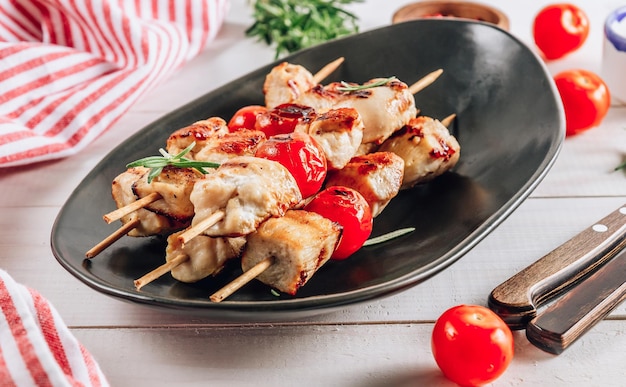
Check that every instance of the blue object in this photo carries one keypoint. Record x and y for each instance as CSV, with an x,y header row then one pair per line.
x,y
618,41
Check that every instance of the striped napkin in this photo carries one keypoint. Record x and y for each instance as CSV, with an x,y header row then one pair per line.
x,y
36,347
70,68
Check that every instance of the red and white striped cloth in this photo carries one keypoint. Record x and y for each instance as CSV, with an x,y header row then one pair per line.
x,y
70,68
36,347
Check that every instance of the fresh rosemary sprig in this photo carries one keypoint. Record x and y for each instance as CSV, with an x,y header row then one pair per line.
x,y
389,236
348,88
157,163
292,25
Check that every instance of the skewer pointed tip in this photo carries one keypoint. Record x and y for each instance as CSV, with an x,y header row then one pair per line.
x,y
160,271
425,81
327,70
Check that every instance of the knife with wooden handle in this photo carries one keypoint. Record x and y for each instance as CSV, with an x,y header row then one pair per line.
x,y
516,300
563,322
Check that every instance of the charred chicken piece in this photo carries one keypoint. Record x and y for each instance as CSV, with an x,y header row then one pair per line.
x,y
222,147
299,243
339,133
206,255
383,109
199,132
151,222
286,83
427,147
248,190
376,176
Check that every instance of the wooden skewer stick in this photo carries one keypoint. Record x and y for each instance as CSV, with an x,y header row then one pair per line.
x,y
132,207
327,70
108,241
424,82
198,228
243,279
161,270
448,120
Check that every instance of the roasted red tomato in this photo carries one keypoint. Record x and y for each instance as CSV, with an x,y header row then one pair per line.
x,y
586,99
560,29
284,118
245,118
472,345
348,208
300,154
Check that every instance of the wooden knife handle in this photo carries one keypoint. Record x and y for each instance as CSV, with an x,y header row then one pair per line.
x,y
516,300
563,322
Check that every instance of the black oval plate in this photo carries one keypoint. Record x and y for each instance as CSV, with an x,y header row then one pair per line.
x,y
509,123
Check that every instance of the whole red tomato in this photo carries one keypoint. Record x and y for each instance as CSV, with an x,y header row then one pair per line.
x,y
301,155
245,118
472,345
559,29
348,208
284,118
586,99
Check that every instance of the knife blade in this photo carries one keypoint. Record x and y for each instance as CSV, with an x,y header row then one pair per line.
x,y
516,300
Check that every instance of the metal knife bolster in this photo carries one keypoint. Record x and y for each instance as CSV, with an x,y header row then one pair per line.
x,y
516,300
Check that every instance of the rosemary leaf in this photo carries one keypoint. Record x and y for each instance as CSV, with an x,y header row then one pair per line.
x,y
349,87
388,236
157,163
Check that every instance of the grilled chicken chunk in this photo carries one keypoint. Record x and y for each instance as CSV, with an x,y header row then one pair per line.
x,y
248,190
339,133
427,147
377,176
151,223
383,109
206,256
285,83
299,243
200,132
222,147
174,185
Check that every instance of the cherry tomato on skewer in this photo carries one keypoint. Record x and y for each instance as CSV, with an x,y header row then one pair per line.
x,y
348,208
245,118
301,155
284,118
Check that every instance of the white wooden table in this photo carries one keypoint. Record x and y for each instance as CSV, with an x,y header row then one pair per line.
x,y
386,342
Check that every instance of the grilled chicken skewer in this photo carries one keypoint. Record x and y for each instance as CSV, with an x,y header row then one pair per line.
x,y
231,202
285,252
384,109
168,194
168,208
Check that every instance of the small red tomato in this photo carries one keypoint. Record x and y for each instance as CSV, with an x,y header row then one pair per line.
x,y
301,155
472,345
560,29
245,118
284,118
586,99
348,208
